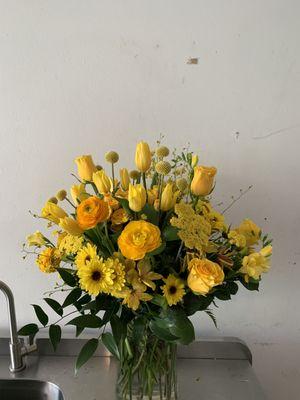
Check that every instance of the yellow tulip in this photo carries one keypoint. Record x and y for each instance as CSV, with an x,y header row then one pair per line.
x,y
168,198
203,181
124,175
71,226
78,193
86,167
136,197
102,182
53,212
143,157
195,160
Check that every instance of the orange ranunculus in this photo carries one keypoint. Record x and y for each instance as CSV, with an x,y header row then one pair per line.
x,y
139,238
92,211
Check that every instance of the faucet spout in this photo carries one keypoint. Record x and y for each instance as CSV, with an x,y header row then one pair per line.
x,y
16,352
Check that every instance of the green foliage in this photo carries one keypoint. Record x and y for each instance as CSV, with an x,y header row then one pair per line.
x,y
28,330
86,353
54,305
87,321
251,285
170,233
72,297
151,213
54,335
110,343
67,277
162,330
194,303
179,324
41,315
212,317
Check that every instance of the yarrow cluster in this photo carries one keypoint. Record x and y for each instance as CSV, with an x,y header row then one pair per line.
x,y
144,245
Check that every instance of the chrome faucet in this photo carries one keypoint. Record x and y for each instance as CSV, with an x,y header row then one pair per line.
x,y
16,348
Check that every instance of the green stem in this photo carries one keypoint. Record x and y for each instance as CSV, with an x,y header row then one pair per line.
x,y
145,185
113,176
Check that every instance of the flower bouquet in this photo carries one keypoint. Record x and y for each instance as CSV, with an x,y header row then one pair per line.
x,y
141,253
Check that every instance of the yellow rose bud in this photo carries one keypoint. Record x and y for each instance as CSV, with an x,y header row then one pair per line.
x,y
86,167
124,175
136,197
143,157
168,198
53,200
250,230
204,275
102,182
203,181
78,193
195,160
53,212
71,226
112,157
61,195
36,239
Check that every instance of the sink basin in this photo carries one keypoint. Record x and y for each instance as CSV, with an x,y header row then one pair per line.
x,y
27,389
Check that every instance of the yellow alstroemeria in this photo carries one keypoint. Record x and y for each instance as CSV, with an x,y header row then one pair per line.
x,y
53,212
36,239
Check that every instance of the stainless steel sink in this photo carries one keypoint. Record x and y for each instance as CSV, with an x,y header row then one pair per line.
x,y
27,389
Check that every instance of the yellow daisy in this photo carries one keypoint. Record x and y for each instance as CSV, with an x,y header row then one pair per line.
x,y
96,276
49,259
173,290
86,254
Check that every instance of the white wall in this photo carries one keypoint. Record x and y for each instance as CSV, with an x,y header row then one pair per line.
x,y
89,76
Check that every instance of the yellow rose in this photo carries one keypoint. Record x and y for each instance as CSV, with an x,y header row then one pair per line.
x,y
91,212
203,181
143,157
102,182
35,239
139,238
204,275
86,167
71,226
168,197
53,212
124,175
78,193
136,197
250,230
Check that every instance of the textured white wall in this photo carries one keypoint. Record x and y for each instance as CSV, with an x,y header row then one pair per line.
x,y
89,76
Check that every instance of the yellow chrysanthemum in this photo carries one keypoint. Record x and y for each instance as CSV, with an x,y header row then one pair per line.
x,y
96,276
49,259
256,263
70,244
118,272
86,254
173,290
194,229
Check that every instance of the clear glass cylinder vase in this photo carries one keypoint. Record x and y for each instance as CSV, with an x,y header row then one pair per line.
x,y
147,369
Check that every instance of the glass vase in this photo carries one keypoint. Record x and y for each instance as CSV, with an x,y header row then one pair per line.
x,y
147,369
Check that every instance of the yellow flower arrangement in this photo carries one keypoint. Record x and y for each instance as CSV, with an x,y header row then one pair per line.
x,y
148,249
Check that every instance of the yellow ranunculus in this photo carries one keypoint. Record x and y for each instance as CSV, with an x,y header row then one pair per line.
x,y
168,198
143,157
119,217
71,226
204,275
139,238
91,212
136,197
86,167
203,180
124,175
36,239
102,182
53,212
250,230
78,193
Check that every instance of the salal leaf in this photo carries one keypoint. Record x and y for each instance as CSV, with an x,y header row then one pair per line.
x,y
161,329
179,324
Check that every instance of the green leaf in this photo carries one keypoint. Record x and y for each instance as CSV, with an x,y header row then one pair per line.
x,y
159,300
72,297
87,321
118,328
161,329
112,310
233,287
151,213
54,305
138,329
67,277
79,330
41,315
157,251
86,353
110,343
83,300
251,285
213,318
194,303
29,329
170,233
222,294
179,324
55,335
125,204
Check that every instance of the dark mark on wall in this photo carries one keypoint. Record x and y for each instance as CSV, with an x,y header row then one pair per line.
x,y
192,61
282,130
